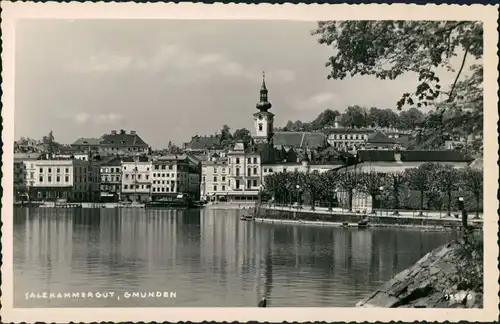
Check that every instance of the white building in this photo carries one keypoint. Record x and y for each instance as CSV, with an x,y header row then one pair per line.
x,y
24,168
215,179
175,174
62,178
136,178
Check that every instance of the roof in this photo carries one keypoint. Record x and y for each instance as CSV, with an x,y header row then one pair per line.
x,y
26,156
133,159
299,139
203,142
379,137
87,141
412,156
345,130
123,139
111,161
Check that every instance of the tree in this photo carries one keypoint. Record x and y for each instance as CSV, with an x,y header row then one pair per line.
x,y
354,116
397,181
389,49
448,179
225,133
312,183
372,183
419,179
410,119
325,119
473,180
49,143
329,181
242,135
348,182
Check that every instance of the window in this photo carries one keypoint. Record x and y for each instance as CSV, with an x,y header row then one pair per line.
x,y
50,170
237,160
249,184
255,160
223,170
249,171
223,188
249,160
147,177
163,167
260,127
126,176
138,177
125,186
163,175
154,189
215,170
284,169
66,170
237,184
66,178
215,179
58,170
49,179
170,167
255,183
41,170
58,179
270,170
32,175
254,170
157,167
41,179
215,188
223,178
237,172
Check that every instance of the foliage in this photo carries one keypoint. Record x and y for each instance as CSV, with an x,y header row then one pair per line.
x,y
448,181
473,180
420,180
470,274
312,183
388,49
397,182
372,182
349,181
329,183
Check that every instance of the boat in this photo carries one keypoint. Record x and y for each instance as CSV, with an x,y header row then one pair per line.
x,y
247,217
363,223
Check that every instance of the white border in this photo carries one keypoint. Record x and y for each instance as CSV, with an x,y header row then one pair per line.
x,y
488,14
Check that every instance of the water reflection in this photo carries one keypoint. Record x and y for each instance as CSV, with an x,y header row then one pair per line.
x,y
209,258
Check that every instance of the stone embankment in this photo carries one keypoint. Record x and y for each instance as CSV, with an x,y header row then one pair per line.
x,y
426,285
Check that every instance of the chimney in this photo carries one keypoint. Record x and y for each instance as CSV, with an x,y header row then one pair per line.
x,y
113,132
132,132
122,131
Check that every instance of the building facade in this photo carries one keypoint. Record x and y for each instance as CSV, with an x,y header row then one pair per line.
x,y
175,175
215,179
136,178
64,179
244,165
111,179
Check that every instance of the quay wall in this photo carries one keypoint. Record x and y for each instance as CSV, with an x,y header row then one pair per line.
x,y
277,215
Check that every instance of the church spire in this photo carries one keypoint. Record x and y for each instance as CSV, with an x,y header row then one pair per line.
x,y
264,104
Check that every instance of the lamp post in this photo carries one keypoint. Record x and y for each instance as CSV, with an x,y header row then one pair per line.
x,y
298,193
381,190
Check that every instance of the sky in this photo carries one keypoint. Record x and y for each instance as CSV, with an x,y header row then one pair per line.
x,y
172,79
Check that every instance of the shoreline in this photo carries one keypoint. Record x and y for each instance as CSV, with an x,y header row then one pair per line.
x,y
352,225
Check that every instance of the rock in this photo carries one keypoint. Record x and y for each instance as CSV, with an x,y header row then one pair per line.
x,y
381,299
402,275
434,270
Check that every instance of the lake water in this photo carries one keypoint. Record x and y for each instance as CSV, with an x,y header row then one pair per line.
x,y
201,258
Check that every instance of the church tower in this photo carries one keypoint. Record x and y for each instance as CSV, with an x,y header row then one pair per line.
x,y
263,119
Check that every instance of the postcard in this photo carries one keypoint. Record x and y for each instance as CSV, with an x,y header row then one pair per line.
x,y
232,162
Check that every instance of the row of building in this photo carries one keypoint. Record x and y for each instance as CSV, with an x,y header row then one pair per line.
x,y
121,166
114,178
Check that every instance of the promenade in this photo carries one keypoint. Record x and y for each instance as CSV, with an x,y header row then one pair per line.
x,y
339,216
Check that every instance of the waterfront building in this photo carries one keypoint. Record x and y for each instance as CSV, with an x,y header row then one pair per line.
x,y
136,178
111,179
24,174
351,139
175,175
215,179
244,165
121,143
56,178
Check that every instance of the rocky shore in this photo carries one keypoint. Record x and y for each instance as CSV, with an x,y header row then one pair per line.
x,y
430,283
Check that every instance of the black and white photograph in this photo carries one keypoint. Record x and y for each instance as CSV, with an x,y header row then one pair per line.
x,y
231,161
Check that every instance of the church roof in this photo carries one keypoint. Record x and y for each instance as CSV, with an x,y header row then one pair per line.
x,y
299,139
